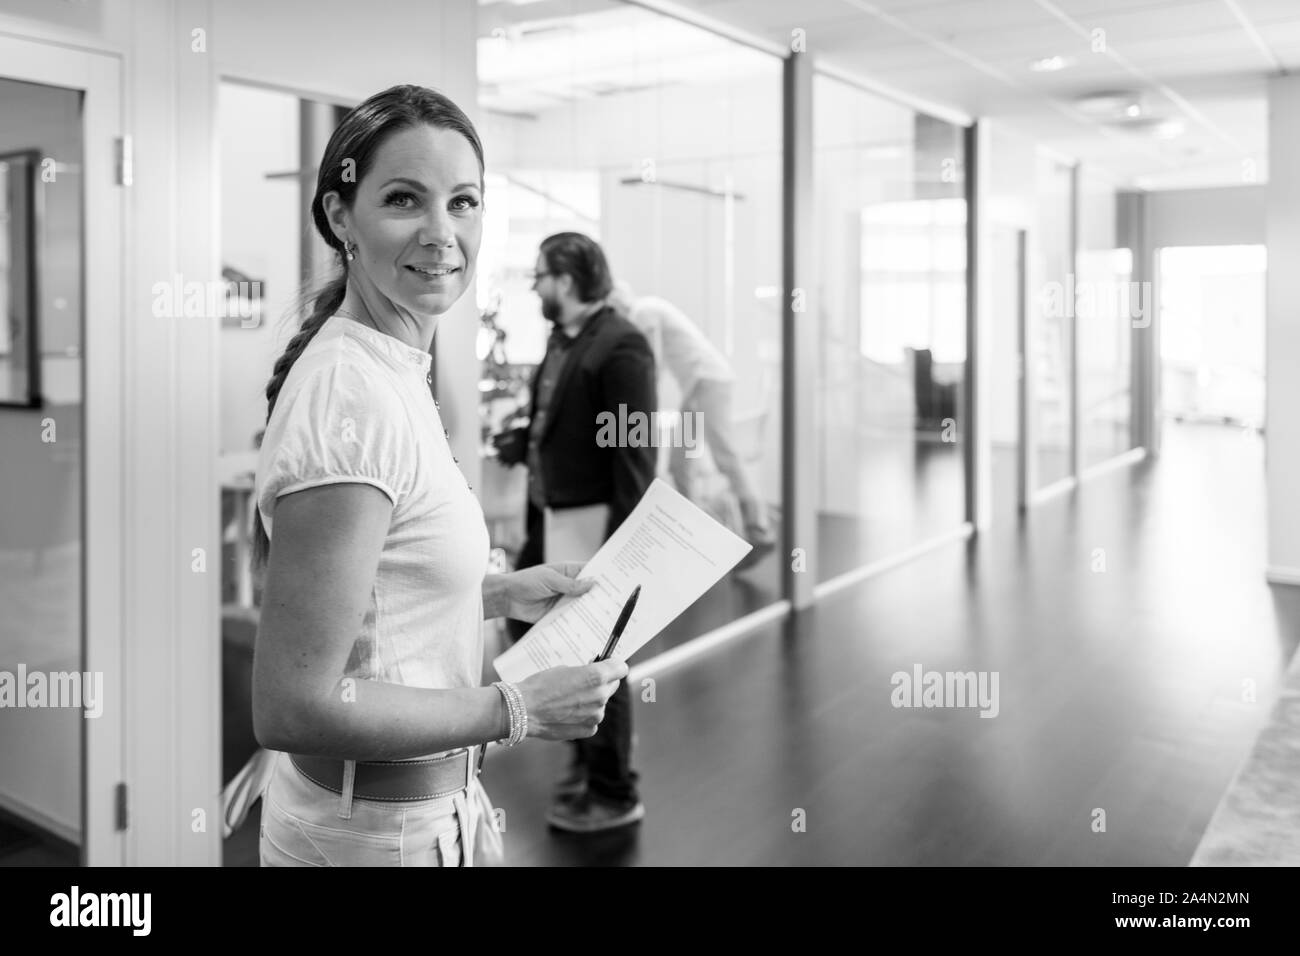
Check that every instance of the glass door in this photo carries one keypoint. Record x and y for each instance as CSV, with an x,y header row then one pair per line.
x,y
60,440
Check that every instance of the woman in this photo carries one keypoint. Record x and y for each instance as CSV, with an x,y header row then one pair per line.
x,y
369,648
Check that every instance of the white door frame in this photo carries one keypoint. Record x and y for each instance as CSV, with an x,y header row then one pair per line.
x,y
99,77
1018,233
1024,460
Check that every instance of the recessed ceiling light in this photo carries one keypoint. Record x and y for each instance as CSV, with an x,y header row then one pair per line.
x,y
1169,129
1050,64
1110,104
1159,127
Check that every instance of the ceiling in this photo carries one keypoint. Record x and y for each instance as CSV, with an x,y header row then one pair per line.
x,y
1193,73
539,55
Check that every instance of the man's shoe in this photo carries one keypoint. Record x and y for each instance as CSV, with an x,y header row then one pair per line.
x,y
588,814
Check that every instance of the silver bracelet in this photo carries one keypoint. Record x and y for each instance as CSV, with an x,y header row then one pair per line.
x,y
517,711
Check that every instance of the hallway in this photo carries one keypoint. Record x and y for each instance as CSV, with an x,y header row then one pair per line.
x,y
1120,689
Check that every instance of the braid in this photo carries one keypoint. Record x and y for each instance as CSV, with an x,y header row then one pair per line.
x,y
325,305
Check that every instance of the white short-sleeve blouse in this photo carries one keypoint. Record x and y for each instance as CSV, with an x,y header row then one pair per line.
x,y
356,407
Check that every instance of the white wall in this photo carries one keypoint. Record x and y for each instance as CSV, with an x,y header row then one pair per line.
x,y
1003,421
1020,196
1104,335
1013,176
1232,215
1012,204
260,222
1096,210
1282,330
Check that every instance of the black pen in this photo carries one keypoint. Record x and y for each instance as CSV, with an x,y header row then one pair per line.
x,y
619,625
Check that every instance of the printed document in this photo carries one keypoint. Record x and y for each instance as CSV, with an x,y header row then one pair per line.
x,y
669,547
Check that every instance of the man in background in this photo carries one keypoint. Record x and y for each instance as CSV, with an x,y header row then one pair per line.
x,y
705,379
596,361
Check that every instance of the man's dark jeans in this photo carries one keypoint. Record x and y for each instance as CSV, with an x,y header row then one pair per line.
x,y
608,754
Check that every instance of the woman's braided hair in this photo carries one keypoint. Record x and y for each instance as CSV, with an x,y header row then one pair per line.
x,y
348,157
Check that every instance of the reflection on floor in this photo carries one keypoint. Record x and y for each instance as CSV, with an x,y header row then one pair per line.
x,y
1102,440
22,844
1120,652
886,496
737,594
40,749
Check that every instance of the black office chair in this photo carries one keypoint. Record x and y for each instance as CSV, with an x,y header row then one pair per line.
x,y
935,401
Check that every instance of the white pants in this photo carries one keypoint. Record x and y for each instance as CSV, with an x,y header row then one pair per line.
x,y
304,824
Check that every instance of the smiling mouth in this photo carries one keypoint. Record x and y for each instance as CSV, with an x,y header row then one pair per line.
x,y
434,271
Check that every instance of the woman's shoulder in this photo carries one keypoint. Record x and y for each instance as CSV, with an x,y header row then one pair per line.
x,y
328,395
338,367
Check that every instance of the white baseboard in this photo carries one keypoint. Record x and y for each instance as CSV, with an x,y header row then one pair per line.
x,y
1122,460
862,573
1276,575
706,642
1054,490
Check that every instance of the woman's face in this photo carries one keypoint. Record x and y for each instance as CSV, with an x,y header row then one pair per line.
x,y
416,221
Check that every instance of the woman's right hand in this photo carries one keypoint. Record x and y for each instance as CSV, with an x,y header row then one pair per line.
x,y
566,703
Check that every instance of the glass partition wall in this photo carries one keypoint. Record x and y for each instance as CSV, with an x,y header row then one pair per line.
x,y
1107,306
891,227
663,142
42,579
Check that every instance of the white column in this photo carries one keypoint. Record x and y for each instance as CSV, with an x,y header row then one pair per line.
x,y
172,665
978,395
1282,330
454,71
800,334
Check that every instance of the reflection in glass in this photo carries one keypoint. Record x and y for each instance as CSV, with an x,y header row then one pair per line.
x,y
1105,349
662,142
891,221
41,587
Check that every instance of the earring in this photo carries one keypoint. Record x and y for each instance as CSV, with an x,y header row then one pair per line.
x,y
350,250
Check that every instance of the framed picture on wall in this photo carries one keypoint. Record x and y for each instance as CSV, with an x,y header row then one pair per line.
x,y
20,367
244,299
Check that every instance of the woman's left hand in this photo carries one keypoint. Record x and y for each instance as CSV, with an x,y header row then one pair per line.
x,y
530,593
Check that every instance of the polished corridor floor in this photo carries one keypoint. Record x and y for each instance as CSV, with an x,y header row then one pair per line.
x,y
1129,623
